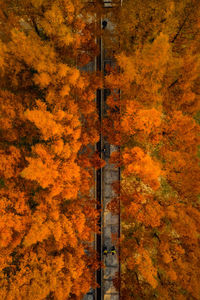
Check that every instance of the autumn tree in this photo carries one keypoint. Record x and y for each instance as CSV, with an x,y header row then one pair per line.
x,y
48,122
153,122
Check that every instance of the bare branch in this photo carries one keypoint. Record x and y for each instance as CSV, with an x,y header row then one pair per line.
x,y
172,84
179,30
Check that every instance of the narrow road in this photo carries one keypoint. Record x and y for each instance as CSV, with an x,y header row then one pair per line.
x,y
109,223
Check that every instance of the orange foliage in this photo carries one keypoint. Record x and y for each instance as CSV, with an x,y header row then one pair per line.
x,y
48,117
140,164
151,119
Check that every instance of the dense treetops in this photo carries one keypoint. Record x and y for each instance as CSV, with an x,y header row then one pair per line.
x,y
155,127
49,127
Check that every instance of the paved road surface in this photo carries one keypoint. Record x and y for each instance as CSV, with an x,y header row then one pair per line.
x,y
110,224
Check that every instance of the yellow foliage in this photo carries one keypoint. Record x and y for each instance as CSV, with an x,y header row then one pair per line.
x,y
43,79
65,90
44,173
33,237
141,164
54,15
146,268
58,147
74,76
10,163
172,275
44,215
44,121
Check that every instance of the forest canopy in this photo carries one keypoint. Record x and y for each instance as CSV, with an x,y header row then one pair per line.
x,y
49,129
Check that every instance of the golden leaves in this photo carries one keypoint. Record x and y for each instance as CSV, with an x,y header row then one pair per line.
x,y
65,90
57,148
47,216
37,3
43,79
10,163
146,268
45,122
54,15
33,237
44,173
141,164
2,56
